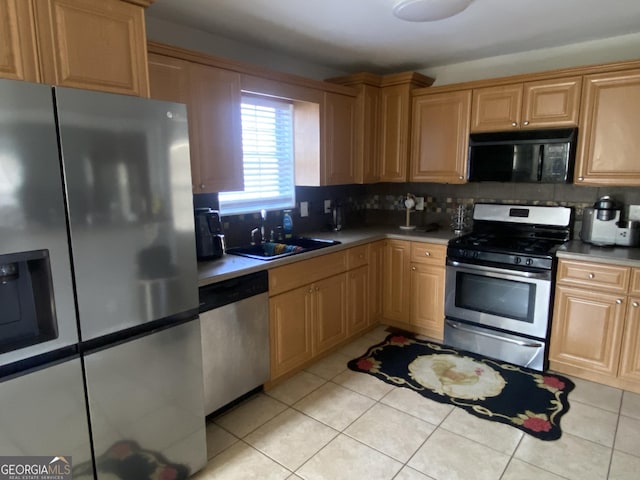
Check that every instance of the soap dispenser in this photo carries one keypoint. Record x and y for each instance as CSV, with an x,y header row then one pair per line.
x,y
287,224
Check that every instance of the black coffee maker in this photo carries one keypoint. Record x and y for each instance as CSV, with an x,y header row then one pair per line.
x,y
209,236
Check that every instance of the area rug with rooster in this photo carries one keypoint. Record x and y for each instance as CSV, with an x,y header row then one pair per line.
x,y
491,389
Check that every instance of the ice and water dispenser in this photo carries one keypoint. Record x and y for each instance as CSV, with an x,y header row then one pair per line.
x,y
27,307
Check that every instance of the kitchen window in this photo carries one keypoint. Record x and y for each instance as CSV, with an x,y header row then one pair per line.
x,y
267,144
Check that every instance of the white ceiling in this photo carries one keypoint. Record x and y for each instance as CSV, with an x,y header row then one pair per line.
x,y
356,35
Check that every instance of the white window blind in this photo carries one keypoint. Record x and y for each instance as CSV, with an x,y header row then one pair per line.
x,y
267,144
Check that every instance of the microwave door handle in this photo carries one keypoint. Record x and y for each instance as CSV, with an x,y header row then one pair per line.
x,y
540,160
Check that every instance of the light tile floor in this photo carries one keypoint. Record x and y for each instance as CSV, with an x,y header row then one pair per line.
x,y
331,423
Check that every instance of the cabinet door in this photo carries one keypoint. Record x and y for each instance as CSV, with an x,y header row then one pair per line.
x,y
496,108
290,320
608,144
368,134
216,129
18,52
440,137
587,330
427,299
168,78
395,104
94,45
396,280
551,103
331,312
339,161
376,270
630,361
358,300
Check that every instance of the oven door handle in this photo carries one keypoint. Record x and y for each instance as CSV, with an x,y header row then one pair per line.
x,y
504,271
494,336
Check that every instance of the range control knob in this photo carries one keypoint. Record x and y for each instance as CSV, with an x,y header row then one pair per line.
x,y
529,261
475,254
517,260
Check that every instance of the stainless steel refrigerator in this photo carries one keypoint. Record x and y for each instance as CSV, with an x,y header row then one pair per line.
x,y
100,352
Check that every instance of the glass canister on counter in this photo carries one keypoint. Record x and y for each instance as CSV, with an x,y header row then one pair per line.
x,y
459,219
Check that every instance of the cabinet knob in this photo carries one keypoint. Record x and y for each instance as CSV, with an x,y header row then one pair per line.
x,y
526,122
310,289
427,254
619,301
580,179
413,268
592,276
461,177
202,186
361,255
635,304
514,124
317,289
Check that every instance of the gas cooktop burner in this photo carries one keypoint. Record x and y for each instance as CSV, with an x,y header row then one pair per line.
x,y
512,235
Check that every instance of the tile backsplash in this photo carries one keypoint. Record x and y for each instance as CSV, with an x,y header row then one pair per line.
x,y
383,204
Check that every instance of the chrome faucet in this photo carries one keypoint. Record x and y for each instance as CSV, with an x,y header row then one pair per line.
x,y
263,217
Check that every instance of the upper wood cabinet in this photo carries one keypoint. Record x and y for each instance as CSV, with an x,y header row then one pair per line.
x,y
93,45
213,100
168,78
395,111
440,137
608,143
339,166
18,50
540,104
382,123
216,131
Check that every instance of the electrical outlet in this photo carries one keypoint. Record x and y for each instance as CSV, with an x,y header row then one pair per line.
x,y
327,206
419,203
304,209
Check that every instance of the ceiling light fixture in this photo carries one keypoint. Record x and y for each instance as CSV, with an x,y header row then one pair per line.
x,y
428,10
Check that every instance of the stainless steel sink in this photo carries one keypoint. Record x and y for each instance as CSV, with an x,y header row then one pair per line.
x,y
280,249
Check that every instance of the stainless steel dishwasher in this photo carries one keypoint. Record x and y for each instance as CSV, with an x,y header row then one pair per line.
x,y
234,317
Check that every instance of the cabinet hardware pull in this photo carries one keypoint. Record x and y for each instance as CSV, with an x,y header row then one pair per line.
x,y
413,268
202,186
361,255
461,177
310,289
580,179
317,289
619,301
526,122
635,304
592,276
514,124
427,254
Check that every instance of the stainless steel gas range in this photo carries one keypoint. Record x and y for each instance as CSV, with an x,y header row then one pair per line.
x,y
498,294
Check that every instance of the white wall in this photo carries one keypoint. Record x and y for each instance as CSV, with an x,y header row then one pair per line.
x,y
626,47
192,39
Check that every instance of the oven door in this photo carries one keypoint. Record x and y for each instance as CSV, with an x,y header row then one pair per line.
x,y
511,300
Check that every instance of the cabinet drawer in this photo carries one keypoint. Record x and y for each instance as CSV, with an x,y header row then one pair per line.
x,y
612,278
304,272
428,253
634,287
358,256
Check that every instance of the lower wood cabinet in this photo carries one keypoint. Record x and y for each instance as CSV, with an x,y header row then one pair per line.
x,y
414,279
318,304
596,323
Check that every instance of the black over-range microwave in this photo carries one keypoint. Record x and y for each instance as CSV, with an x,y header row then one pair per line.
x,y
543,156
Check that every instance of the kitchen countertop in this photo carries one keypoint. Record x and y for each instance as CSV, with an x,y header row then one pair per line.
x,y
231,266
578,250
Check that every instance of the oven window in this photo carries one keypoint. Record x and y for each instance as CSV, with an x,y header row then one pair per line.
x,y
496,296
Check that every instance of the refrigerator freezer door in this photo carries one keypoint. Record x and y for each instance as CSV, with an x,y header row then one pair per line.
x,y
44,413
145,398
32,213
126,164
